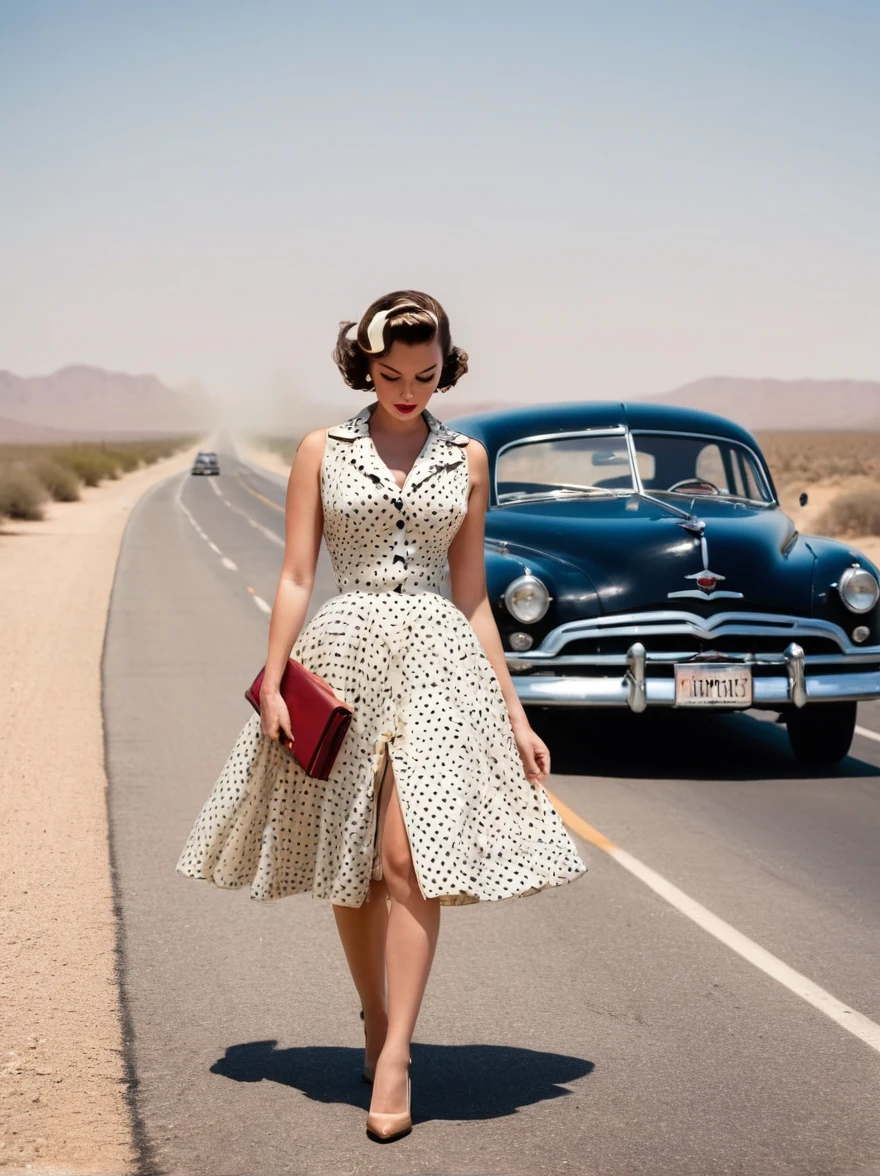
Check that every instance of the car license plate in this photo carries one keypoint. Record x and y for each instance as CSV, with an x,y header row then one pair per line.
x,y
708,684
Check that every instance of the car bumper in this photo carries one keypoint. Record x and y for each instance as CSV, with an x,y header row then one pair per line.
x,y
541,690
780,677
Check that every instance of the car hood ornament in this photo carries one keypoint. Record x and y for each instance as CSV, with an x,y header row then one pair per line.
x,y
707,581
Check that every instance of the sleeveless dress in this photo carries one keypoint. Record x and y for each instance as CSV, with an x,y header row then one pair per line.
x,y
393,644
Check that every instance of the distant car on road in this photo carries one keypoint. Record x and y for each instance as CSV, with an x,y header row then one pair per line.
x,y
637,556
205,463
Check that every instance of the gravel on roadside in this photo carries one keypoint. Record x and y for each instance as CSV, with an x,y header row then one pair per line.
x,y
64,1091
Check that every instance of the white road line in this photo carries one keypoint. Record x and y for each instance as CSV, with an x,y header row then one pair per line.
x,y
227,563
264,530
866,734
261,604
215,488
856,1023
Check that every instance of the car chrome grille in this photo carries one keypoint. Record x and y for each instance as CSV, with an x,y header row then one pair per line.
x,y
600,644
687,645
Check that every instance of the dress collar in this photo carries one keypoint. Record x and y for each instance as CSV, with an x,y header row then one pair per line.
x,y
358,426
443,448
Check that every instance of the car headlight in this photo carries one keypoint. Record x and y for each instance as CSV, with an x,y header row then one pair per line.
x,y
527,599
858,590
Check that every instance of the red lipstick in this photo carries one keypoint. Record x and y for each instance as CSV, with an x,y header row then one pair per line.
x,y
405,407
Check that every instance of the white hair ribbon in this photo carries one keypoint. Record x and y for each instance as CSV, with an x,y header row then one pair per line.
x,y
376,329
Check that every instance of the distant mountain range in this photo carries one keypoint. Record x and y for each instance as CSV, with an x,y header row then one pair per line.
x,y
82,401
783,404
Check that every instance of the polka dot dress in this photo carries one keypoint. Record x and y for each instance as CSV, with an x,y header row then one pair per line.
x,y
393,644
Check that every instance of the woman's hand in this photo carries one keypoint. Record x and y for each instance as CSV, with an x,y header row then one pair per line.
x,y
275,717
534,753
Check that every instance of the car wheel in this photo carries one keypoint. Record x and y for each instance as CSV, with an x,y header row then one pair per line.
x,y
822,734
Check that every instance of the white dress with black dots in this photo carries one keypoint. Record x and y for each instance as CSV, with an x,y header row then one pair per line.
x,y
394,645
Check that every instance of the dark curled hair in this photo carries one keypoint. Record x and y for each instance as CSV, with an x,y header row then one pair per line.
x,y
352,355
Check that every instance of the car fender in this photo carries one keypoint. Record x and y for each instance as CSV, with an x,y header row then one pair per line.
x,y
573,596
831,558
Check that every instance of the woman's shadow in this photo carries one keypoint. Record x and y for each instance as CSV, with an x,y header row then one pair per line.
x,y
455,1081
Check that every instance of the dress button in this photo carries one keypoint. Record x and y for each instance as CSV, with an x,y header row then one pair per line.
x,y
401,524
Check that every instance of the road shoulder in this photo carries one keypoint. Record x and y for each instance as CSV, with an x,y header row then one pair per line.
x,y
63,1099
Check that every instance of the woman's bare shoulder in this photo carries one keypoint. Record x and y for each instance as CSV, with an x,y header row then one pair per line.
x,y
478,457
312,444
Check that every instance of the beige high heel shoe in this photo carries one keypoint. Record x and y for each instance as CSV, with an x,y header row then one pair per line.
x,y
387,1126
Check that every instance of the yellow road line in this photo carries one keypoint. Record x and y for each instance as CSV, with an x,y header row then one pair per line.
x,y
256,494
580,826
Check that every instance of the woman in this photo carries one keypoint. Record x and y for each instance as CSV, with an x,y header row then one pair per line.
x,y
436,796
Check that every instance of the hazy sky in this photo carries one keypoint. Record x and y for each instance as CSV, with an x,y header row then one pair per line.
x,y
609,199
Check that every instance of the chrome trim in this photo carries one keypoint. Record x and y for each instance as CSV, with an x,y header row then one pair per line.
x,y
705,593
635,677
666,622
770,693
517,662
515,583
794,663
633,461
845,577
696,592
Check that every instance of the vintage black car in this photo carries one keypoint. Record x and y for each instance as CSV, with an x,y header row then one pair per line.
x,y
206,462
637,556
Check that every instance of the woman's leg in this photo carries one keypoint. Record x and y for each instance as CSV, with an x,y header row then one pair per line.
x,y
363,931
413,925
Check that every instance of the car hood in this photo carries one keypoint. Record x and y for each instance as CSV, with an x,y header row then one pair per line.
x,y
634,553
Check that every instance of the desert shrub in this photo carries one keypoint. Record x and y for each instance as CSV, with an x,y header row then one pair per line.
x,y
153,451
91,465
22,494
60,480
126,459
820,455
854,512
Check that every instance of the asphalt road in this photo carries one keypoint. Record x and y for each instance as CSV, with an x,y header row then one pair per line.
x,y
595,1030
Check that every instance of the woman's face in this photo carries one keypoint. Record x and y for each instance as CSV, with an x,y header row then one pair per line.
x,y
406,377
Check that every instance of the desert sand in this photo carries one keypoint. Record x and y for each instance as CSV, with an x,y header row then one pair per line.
x,y
819,496
63,1095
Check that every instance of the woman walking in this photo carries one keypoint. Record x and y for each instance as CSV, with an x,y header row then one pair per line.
x,y
436,796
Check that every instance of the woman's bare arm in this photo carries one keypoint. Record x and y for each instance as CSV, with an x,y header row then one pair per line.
x,y
467,572
304,524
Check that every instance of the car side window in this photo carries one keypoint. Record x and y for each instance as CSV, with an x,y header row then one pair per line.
x,y
709,466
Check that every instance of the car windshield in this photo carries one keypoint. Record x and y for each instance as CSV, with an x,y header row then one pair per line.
x,y
585,465
680,465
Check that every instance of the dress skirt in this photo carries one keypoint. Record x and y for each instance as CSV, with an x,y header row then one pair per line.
x,y
423,692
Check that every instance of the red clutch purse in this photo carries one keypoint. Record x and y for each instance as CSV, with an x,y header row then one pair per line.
x,y
319,719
